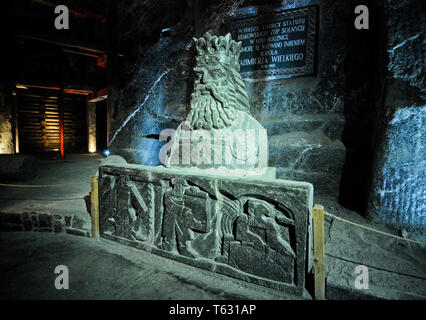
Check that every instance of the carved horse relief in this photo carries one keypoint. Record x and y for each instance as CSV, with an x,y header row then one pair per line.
x,y
257,236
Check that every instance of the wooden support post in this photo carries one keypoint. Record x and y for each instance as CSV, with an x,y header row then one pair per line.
x,y
94,206
15,118
319,266
61,121
91,126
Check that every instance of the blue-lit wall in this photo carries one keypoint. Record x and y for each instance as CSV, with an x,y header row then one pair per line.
x,y
303,116
398,194
360,110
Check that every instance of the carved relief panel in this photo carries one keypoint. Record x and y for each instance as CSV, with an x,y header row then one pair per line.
x,y
256,231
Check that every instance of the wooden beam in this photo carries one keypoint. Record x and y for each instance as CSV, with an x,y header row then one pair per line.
x,y
83,47
319,266
67,89
15,118
99,96
22,63
82,53
78,12
61,121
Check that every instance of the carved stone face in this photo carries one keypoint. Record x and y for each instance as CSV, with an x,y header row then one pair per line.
x,y
210,102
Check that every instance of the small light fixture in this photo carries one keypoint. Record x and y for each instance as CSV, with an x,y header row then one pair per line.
x,y
92,144
165,32
106,153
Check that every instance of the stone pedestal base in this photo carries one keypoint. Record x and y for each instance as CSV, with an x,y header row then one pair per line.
x,y
256,230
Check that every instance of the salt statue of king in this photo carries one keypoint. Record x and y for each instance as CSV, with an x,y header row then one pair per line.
x,y
219,135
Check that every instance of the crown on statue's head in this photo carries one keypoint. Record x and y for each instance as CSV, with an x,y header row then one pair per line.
x,y
214,49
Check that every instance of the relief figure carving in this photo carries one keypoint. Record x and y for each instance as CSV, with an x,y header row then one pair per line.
x,y
263,217
187,210
128,210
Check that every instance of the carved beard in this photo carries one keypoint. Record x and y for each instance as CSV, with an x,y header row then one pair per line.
x,y
209,108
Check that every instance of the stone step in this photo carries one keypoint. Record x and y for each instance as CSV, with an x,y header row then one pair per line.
x,y
310,152
324,184
17,167
331,125
79,223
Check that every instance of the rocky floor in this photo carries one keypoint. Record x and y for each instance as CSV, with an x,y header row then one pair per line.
x,y
101,269
74,172
396,268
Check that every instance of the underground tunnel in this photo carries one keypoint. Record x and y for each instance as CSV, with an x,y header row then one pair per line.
x,y
213,150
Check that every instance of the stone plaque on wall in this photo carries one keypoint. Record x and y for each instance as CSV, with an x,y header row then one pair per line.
x,y
253,230
277,44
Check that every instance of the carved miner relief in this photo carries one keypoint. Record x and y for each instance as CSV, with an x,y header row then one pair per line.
x,y
188,217
131,215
